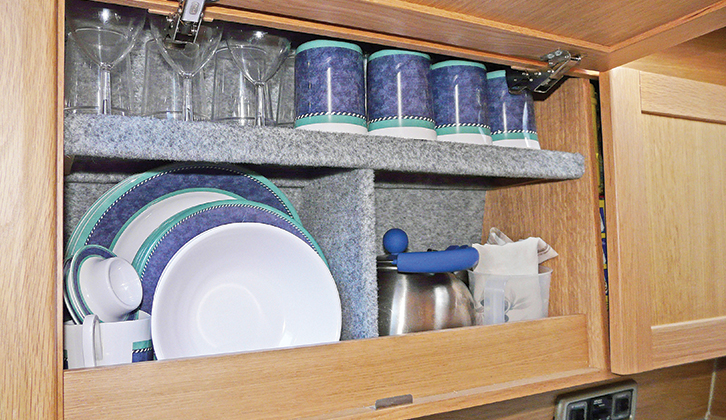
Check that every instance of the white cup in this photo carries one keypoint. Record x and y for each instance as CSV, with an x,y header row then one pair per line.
x,y
96,343
110,287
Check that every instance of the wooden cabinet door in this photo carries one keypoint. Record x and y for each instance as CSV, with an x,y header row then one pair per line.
x,y
665,177
30,373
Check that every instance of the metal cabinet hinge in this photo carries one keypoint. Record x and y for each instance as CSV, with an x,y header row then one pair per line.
x,y
183,26
541,81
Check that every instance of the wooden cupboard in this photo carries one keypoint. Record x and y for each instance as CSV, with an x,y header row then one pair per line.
x,y
444,370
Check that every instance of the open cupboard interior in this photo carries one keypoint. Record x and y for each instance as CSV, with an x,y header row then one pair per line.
x,y
443,370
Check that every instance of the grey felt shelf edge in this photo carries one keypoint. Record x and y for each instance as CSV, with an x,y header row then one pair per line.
x,y
143,138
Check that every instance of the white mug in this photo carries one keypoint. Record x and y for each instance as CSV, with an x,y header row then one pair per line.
x,y
96,343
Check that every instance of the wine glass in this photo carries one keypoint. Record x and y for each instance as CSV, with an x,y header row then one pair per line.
x,y
187,59
259,55
105,34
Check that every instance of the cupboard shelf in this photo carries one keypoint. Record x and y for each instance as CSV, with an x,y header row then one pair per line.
x,y
139,138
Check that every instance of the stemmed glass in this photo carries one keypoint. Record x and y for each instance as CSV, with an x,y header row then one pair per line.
x,y
105,35
187,59
259,55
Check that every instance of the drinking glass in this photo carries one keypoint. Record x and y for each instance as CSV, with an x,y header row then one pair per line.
x,y
258,54
285,79
105,34
186,59
234,95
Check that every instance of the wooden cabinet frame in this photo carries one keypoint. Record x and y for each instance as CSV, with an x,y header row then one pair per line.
x,y
31,173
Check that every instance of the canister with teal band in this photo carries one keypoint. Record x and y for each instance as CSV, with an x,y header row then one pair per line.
x,y
330,87
460,101
399,95
511,116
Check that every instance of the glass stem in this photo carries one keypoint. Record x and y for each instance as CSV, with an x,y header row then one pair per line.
x,y
188,107
260,118
105,90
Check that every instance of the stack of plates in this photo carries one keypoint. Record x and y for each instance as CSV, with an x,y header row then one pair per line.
x,y
223,258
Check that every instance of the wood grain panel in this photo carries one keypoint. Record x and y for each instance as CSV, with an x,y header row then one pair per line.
x,y
468,35
564,214
669,35
30,372
685,196
718,395
678,393
673,343
666,214
683,98
626,215
605,23
700,59
333,378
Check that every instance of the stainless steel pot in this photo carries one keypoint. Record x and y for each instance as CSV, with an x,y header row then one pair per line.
x,y
410,301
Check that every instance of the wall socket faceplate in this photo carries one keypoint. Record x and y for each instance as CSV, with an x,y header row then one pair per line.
x,y
610,402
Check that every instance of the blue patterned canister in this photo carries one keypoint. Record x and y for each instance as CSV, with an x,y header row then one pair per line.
x,y
330,87
511,116
460,101
399,95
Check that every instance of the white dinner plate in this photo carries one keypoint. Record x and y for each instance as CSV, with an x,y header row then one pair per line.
x,y
133,234
242,287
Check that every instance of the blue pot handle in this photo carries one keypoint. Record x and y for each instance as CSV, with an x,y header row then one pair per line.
x,y
454,258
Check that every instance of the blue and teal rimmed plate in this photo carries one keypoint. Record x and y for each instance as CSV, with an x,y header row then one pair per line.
x,y
111,213
174,233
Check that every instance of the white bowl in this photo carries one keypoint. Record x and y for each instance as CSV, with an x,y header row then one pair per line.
x,y
241,287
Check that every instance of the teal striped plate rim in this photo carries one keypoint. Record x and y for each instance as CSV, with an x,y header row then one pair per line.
x,y
384,53
95,214
322,43
230,195
451,63
528,135
328,118
496,74
464,129
152,242
400,122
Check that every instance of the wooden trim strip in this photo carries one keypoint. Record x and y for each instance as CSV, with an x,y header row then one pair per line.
x,y
668,35
687,342
626,216
345,376
682,98
456,35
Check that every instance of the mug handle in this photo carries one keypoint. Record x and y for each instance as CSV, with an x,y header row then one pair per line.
x,y
91,340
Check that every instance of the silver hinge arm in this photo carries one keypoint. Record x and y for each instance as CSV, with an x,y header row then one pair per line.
x,y
559,62
183,26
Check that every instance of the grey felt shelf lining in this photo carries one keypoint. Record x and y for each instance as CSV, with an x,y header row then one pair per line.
x,y
141,138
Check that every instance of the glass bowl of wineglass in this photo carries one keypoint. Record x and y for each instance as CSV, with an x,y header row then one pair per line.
x,y
104,35
258,54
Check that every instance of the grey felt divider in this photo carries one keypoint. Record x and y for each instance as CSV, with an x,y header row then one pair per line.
x,y
339,212
153,139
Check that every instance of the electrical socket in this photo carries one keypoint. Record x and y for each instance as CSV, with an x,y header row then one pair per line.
x,y
610,402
